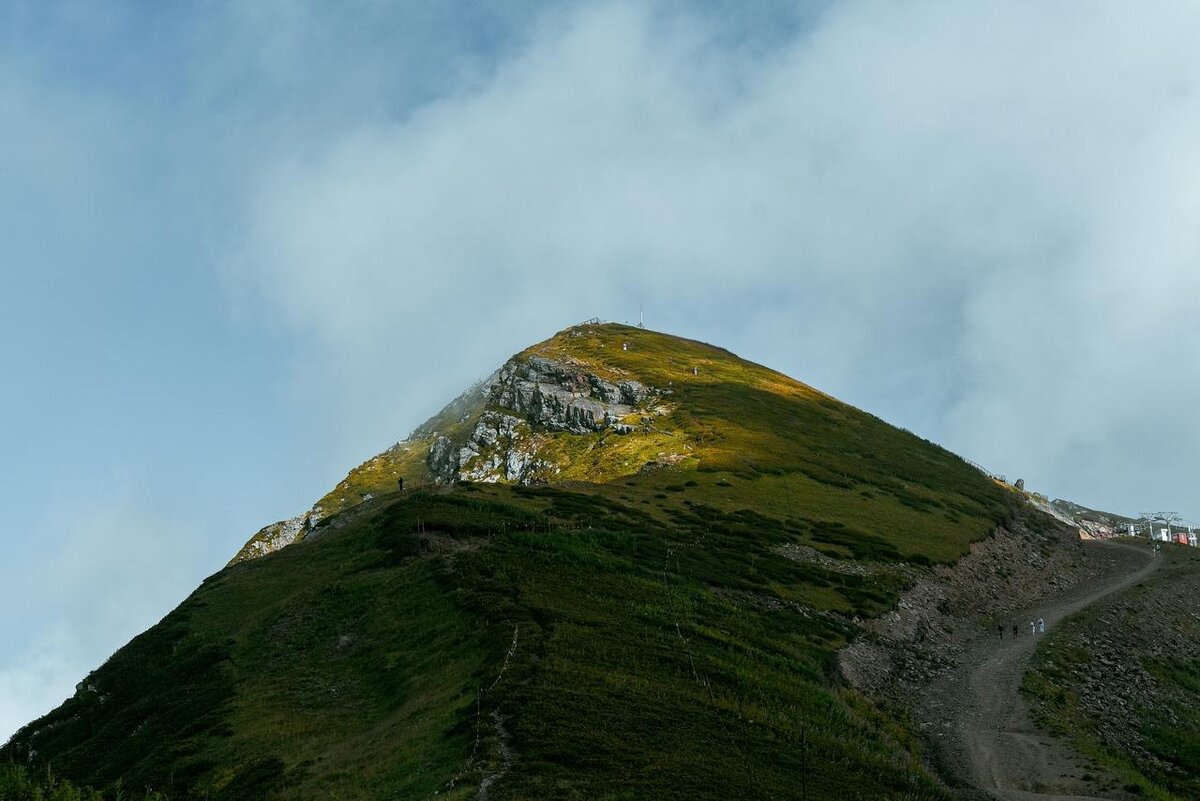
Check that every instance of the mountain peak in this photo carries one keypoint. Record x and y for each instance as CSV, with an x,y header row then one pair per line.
x,y
594,402
601,402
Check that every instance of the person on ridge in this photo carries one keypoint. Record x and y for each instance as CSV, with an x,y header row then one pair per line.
x,y
1014,631
1032,628
1041,625
1000,629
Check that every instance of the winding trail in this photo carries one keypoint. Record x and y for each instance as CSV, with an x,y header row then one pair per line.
x,y
983,738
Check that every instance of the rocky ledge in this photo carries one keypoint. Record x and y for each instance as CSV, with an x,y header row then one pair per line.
x,y
273,537
526,396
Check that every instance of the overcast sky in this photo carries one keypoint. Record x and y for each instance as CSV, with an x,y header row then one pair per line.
x,y
248,245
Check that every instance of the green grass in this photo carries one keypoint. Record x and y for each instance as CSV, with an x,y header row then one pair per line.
x,y
665,655
20,784
636,633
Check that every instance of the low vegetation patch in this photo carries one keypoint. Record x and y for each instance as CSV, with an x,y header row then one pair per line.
x,y
583,647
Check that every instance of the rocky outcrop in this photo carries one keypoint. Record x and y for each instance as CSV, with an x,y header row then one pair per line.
x,y
273,537
1054,509
507,418
442,459
527,396
499,449
563,397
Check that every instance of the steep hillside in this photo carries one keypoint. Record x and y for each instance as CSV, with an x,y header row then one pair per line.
x,y
596,403
622,567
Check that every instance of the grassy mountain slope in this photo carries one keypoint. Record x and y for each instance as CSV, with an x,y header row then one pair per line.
x,y
711,412
643,625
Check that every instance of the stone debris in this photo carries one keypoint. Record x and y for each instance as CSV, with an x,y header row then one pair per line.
x,y
1013,569
1159,623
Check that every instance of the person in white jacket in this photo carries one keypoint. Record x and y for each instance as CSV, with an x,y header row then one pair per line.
x,y
1041,626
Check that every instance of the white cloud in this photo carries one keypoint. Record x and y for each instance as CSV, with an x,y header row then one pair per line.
x,y
964,217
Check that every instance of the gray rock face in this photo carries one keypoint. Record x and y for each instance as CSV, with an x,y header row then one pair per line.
x,y
524,396
560,397
442,460
273,537
514,404
497,450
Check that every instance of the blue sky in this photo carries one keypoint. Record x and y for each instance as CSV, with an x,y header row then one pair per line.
x,y
247,245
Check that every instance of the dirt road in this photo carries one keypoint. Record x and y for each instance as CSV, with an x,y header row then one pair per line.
x,y
978,723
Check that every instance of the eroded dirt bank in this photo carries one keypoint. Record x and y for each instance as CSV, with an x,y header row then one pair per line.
x,y
939,656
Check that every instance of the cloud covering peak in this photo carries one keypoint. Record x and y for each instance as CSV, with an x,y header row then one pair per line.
x,y
978,222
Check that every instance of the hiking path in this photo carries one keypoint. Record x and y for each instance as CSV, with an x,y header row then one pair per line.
x,y
984,742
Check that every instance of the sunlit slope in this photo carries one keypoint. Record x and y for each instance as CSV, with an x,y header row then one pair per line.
x,y
704,412
643,603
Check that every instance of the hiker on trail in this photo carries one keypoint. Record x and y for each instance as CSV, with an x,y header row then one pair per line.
x,y
1032,628
1041,625
400,481
1014,631
1000,629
